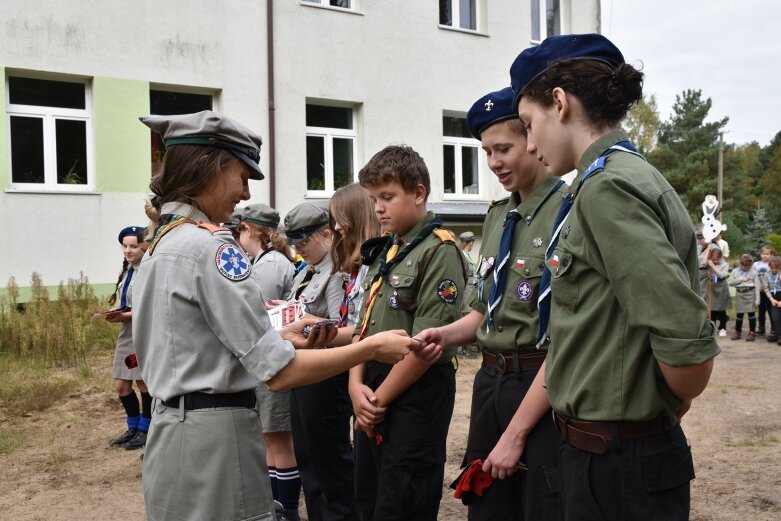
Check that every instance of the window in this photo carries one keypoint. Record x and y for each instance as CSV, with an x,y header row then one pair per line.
x,y
460,14
546,19
50,134
344,4
330,148
169,103
460,158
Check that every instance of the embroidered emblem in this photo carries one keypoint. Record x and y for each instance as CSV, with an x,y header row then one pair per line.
x,y
554,261
520,263
524,291
394,280
537,242
408,263
565,232
489,105
351,307
447,291
393,300
231,263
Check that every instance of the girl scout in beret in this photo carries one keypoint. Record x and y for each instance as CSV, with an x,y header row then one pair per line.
x,y
321,411
272,259
631,343
505,324
202,338
133,247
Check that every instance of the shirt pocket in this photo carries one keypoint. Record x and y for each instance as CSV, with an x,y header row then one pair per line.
x,y
402,293
523,284
564,283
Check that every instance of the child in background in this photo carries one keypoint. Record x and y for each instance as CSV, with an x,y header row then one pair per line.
x,y
761,268
744,278
720,300
771,282
133,248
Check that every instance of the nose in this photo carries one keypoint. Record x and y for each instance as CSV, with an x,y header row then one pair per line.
x,y
494,163
531,146
245,195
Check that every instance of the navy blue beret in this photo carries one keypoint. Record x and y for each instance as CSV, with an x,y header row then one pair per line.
x,y
535,60
135,231
491,108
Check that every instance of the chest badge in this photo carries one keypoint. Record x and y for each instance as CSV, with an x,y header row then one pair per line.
x,y
524,291
393,300
537,242
408,263
394,280
447,291
231,263
520,263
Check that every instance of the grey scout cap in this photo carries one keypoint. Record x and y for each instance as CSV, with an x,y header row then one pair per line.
x,y
305,219
467,237
235,219
210,129
262,215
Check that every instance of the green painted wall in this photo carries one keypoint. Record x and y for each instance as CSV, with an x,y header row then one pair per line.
x,y
4,159
122,143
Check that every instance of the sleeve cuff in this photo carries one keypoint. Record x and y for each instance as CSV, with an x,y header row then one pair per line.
x,y
268,356
685,351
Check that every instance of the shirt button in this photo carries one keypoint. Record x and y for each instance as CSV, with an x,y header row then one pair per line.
x,y
526,271
500,328
379,293
372,322
564,263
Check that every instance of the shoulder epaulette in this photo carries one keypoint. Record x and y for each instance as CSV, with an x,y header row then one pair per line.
x,y
444,235
497,203
211,228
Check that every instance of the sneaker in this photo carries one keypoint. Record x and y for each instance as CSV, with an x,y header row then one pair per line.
x,y
722,332
123,438
750,337
735,336
136,442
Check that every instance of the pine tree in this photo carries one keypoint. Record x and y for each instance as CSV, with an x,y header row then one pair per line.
x,y
757,231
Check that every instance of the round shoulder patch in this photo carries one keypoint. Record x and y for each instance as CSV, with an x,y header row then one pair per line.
x,y
231,262
447,291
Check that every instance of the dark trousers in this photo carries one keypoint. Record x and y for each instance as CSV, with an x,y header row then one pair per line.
x,y
401,478
531,495
764,309
775,316
320,421
721,317
752,322
642,480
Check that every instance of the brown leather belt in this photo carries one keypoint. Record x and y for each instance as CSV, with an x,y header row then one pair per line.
x,y
511,363
593,436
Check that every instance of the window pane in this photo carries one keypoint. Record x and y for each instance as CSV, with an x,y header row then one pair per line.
x,y
552,18
166,103
449,168
469,180
343,162
315,163
536,20
26,150
71,138
330,117
466,14
445,17
46,93
455,127
341,3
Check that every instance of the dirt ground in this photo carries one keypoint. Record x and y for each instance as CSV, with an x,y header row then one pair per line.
x,y
66,471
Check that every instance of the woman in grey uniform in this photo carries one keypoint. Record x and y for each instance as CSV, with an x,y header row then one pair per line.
x,y
202,339
272,259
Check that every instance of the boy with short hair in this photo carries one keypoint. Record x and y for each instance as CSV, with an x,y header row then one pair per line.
x,y
415,281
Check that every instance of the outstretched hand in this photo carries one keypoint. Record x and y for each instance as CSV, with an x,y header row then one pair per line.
x,y
318,337
392,346
433,344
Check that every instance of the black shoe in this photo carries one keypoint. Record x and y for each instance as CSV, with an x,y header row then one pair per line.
x,y
289,514
772,338
123,438
136,442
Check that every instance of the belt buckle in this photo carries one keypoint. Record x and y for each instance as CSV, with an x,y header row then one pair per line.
x,y
501,363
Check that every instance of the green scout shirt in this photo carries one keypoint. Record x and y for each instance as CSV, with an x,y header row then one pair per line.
x,y
416,296
624,294
516,320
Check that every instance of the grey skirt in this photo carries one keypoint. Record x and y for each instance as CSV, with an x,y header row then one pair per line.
x,y
123,349
745,299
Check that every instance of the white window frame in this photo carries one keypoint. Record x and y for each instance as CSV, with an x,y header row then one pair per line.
x,y
542,5
459,143
455,13
49,115
329,134
355,5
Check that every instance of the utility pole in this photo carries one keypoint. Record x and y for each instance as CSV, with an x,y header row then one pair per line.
x,y
721,173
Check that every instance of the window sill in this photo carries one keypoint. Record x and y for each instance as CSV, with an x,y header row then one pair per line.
x,y
463,197
50,192
330,8
461,30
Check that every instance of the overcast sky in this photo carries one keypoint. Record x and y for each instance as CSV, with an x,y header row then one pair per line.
x,y
731,50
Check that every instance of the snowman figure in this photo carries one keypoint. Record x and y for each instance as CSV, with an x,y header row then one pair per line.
x,y
711,227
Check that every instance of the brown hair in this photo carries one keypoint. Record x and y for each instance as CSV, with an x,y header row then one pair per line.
x,y
769,248
607,92
396,163
746,260
352,208
775,260
267,235
186,170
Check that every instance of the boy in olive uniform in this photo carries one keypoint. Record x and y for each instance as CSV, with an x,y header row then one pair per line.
x,y
415,281
504,320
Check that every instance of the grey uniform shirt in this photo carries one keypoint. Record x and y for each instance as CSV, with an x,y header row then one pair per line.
x,y
194,328
276,274
324,293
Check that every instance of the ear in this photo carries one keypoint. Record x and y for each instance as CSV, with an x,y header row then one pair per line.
x,y
561,103
420,194
327,233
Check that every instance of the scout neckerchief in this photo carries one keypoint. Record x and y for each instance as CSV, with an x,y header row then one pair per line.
x,y
505,244
390,256
125,285
167,223
310,272
344,307
543,301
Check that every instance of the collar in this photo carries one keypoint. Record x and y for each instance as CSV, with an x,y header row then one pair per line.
x,y
324,265
528,207
185,210
415,230
593,151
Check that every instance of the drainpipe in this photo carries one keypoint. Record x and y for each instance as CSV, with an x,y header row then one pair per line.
x,y
270,147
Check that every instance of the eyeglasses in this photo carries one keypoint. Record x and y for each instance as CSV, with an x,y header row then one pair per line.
x,y
306,242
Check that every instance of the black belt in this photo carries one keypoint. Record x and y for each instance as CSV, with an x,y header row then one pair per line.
x,y
198,400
